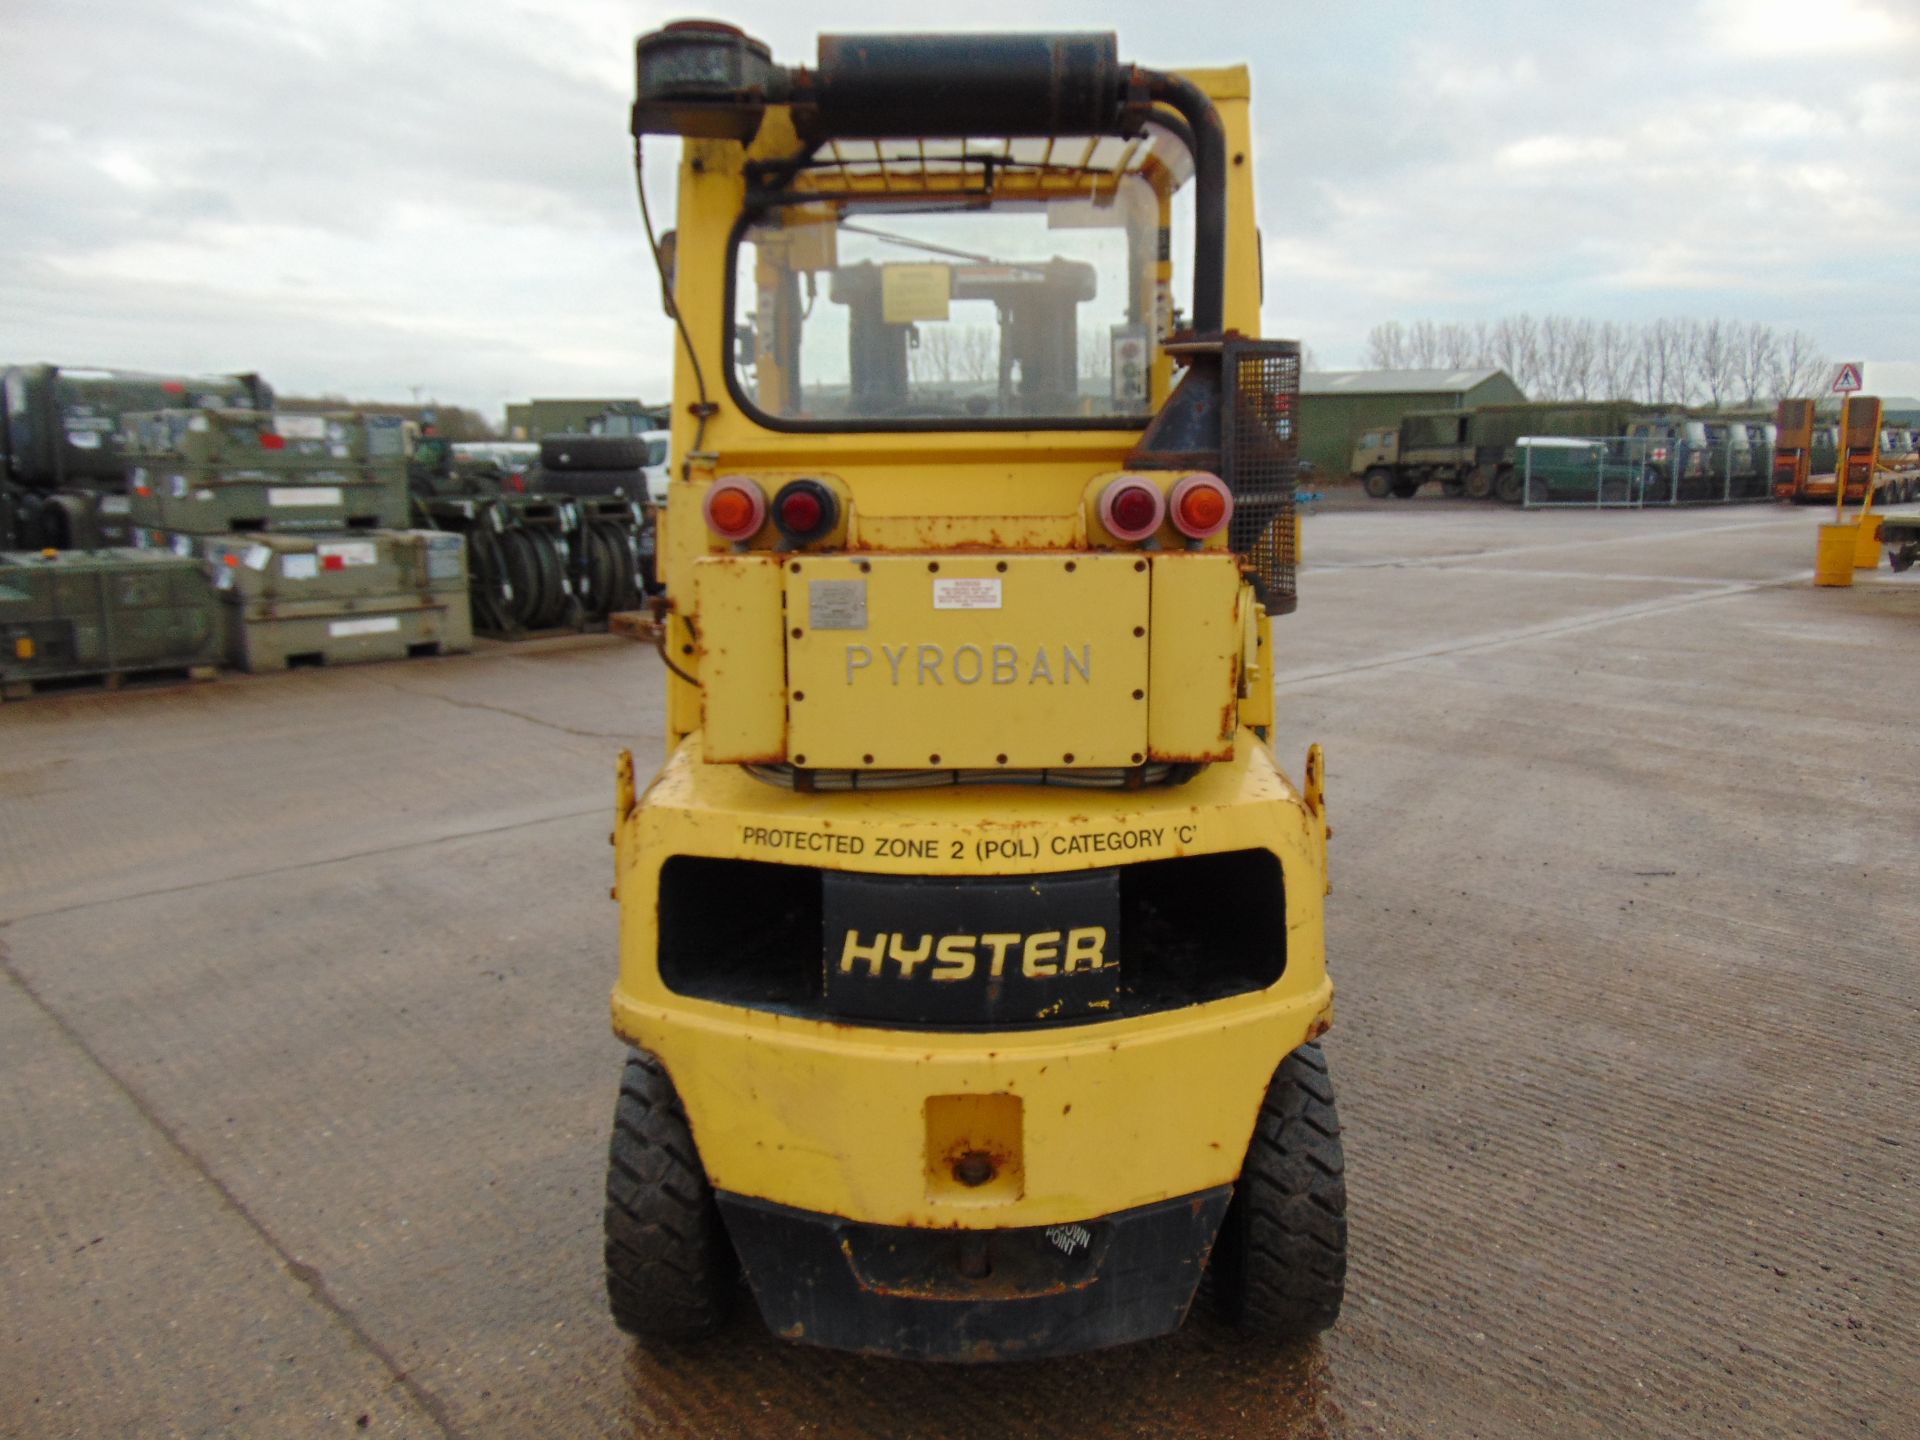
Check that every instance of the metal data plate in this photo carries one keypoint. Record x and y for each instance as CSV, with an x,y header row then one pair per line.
x,y
956,951
985,662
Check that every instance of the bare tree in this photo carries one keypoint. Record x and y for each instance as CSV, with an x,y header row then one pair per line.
x,y
1669,361
1715,356
1387,346
1799,368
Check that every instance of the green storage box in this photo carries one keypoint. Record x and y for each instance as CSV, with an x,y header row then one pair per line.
x,y
295,599
216,472
107,613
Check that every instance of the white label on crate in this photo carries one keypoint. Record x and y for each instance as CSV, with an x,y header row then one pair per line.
x,y
203,494
301,427
224,579
303,495
300,567
183,545
199,424
257,557
115,505
377,625
83,439
349,552
981,594
338,452
178,484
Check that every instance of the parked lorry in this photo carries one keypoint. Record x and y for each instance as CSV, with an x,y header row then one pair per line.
x,y
1471,451
971,946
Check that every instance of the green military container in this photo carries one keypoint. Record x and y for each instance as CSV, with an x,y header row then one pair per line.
x,y
214,472
64,425
293,599
103,613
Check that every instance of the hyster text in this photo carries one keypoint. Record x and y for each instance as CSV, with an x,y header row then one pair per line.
x,y
956,957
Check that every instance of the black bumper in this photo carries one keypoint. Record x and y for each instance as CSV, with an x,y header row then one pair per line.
x,y
975,1295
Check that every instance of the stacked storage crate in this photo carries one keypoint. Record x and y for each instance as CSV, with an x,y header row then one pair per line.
x,y
300,521
99,615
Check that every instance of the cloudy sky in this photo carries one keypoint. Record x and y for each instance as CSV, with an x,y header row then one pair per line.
x,y
385,198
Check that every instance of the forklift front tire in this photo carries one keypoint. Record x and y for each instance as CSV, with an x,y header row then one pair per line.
x,y
1280,1262
671,1272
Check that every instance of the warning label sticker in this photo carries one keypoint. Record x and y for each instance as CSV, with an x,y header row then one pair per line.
x,y
374,625
966,594
303,495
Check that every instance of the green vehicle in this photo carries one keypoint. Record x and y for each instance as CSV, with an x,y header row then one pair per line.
x,y
1561,470
1470,452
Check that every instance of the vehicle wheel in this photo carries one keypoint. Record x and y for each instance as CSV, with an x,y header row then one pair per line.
x,y
592,452
670,1269
1479,482
1378,482
1453,489
1507,486
1404,489
1280,1263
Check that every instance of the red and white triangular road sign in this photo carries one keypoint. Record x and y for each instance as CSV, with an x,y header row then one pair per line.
x,y
1847,381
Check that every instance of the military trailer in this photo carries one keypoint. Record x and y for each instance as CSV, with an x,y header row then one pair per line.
x,y
102,614
64,448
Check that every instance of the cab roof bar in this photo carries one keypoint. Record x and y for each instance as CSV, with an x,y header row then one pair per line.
x,y
706,80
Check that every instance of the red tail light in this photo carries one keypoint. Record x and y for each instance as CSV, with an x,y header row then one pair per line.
x,y
1132,509
805,510
735,509
1201,506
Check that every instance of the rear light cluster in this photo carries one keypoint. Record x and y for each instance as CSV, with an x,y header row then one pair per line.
x,y
1132,507
801,510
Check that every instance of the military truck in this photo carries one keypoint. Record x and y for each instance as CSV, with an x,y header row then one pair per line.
x,y
64,452
1470,452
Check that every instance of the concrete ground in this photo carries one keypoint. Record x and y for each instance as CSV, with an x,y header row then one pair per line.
x,y
307,1074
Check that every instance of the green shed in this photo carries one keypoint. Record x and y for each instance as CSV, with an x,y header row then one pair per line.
x,y
1336,406
534,418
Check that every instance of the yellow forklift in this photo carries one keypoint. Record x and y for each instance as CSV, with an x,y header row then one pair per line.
x,y
971,943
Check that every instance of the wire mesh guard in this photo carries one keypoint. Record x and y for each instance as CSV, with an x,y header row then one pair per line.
x,y
1260,461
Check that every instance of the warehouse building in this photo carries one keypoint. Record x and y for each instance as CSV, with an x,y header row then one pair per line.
x,y
1336,406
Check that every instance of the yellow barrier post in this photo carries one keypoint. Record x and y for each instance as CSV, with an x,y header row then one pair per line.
x,y
1833,562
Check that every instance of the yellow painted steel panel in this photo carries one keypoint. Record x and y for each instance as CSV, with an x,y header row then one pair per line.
x,y
1198,635
1256,667
967,661
742,663
833,1117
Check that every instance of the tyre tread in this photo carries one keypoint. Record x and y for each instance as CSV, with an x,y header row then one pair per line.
x,y
1280,1264
670,1270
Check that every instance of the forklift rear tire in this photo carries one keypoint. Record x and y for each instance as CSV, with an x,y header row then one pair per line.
x,y
1479,483
1508,487
1280,1263
671,1273
1378,482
